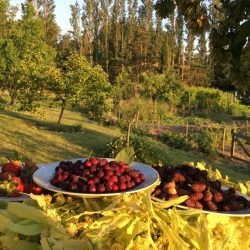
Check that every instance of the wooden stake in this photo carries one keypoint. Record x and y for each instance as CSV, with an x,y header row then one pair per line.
x,y
137,118
224,138
233,143
158,125
187,132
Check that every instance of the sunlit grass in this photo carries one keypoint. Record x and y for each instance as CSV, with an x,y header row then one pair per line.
x,y
20,137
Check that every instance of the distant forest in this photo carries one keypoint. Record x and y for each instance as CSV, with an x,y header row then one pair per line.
x,y
117,34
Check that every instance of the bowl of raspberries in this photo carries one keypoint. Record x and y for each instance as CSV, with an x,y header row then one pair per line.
x,y
204,193
95,177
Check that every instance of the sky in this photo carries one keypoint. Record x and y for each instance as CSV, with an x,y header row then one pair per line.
x,y
62,12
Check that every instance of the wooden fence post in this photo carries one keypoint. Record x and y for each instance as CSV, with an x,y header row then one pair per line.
x,y
233,143
224,138
137,118
158,125
187,132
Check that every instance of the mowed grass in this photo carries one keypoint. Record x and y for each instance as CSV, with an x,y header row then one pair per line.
x,y
20,136
29,136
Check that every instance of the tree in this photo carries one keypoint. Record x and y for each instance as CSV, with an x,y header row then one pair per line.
x,y
75,22
105,4
229,31
162,87
88,28
76,80
25,57
124,87
4,10
51,28
97,92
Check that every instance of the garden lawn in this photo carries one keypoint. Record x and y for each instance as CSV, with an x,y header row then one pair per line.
x,y
33,137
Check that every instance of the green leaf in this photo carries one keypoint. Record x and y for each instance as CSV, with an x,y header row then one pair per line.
x,y
26,227
126,155
171,203
13,244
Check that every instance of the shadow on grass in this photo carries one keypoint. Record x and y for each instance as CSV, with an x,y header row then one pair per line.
x,y
60,145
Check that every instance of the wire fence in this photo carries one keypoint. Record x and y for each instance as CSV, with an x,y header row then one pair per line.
x,y
225,131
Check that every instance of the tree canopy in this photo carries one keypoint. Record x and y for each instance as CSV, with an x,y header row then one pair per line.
x,y
229,22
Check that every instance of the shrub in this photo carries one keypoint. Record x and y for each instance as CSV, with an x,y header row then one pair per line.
x,y
146,149
176,140
239,111
208,141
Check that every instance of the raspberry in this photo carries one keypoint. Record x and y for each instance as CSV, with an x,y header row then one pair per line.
x,y
168,185
193,204
211,206
192,171
198,177
226,207
234,205
171,191
231,191
178,177
198,187
173,196
216,184
157,192
164,196
189,179
207,196
204,173
218,197
196,196
233,197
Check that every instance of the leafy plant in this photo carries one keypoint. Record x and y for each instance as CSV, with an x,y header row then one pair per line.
x,y
208,141
175,140
146,149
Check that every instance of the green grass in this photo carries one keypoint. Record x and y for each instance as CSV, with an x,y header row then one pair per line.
x,y
26,135
32,137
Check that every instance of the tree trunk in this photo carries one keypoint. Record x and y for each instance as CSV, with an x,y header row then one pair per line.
x,y
12,97
62,111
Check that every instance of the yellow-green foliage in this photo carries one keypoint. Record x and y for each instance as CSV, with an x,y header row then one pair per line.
x,y
126,222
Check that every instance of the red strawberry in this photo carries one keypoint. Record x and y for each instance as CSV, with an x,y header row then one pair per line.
x,y
32,188
30,166
26,187
20,186
14,193
13,167
6,176
35,189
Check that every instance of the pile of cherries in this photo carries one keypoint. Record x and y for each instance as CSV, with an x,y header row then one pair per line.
x,y
96,176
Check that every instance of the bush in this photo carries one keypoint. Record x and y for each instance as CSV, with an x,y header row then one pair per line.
x,y
176,140
141,131
146,149
239,111
208,141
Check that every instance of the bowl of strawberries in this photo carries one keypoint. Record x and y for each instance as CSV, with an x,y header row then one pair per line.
x,y
16,180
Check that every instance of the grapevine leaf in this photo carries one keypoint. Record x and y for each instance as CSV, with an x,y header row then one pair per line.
x,y
126,155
